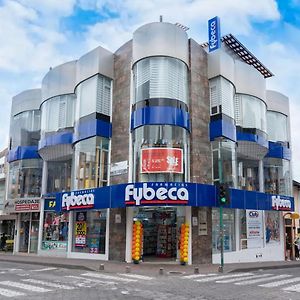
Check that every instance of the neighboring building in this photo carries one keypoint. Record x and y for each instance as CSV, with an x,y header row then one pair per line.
x,y
143,136
7,221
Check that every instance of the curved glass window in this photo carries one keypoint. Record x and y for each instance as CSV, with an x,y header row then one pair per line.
x,y
160,153
25,129
160,77
93,95
59,175
25,178
57,113
224,155
277,127
251,112
221,93
277,176
91,163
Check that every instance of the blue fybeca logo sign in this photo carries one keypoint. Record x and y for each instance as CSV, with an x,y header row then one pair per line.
x,y
214,34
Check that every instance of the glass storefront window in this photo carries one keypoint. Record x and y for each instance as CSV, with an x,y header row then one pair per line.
x,y
229,230
277,176
160,77
89,232
248,174
91,163
34,232
272,223
277,127
59,176
224,154
25,129
24,232
160,136
55,231
25,178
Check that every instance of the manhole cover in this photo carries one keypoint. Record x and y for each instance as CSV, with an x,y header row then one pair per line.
x,y
176,273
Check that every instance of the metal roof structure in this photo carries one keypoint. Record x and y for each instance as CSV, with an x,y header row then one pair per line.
x,y
240,50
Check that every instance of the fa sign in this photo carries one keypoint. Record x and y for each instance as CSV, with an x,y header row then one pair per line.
x,y
214,34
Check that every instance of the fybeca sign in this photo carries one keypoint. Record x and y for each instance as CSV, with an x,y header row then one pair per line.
x,y
156,194
279,203
214,34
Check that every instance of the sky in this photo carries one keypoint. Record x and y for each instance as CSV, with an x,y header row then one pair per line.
x,y
36,35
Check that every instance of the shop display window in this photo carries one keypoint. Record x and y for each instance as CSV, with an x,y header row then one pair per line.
x,y
229,230
272,223
55,230
171,138
89,231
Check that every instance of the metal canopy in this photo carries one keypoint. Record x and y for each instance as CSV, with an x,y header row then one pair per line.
x,y
239,49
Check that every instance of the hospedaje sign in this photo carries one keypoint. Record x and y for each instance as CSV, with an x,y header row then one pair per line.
x,y
167,194
214,34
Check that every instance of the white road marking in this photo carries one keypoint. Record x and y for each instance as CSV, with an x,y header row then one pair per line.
x,y
9,293
263,279
199,276
279,283
243,278
217,277
43,270
90,280
50,284
103,276
293,288
23,286
136,276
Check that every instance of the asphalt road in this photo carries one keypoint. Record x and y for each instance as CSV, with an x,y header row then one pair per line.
x,y
24,281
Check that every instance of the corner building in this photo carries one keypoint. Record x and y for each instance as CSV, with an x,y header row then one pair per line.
x,y
130,146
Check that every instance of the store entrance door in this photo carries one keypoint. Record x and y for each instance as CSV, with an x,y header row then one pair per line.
x,y
161,228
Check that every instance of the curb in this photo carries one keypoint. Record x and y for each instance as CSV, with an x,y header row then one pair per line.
x,y
275,267
57,265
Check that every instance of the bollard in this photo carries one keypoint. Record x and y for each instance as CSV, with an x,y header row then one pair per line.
x,y
161,271
196,270
101,268
127,269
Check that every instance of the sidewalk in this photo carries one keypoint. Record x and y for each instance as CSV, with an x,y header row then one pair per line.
x,y
143,268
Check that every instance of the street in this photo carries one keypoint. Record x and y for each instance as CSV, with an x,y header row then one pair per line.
x,y
20,281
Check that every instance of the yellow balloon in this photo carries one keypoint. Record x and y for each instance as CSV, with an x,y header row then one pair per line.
x,y
185,259
137,258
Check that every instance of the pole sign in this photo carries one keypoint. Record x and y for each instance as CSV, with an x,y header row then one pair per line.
x,y
214,34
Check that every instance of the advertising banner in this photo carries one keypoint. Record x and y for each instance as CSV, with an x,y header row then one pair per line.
x,y
80,229
162,160
254,229
27,205
214,34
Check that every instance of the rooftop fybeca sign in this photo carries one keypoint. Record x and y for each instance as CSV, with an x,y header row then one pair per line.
x,y
214,34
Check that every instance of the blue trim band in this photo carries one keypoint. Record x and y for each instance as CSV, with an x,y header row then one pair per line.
x,y
250,137
89,128
160,115
222,128
174,193
277,150
58,138
23,152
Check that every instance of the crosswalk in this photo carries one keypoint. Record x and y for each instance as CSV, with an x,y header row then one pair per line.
x,y
25,286
284,282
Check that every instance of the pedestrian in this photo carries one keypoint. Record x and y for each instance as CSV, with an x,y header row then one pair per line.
x,y
3,241
296,245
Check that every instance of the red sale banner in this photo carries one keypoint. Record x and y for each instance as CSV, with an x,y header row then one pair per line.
x,y
162,160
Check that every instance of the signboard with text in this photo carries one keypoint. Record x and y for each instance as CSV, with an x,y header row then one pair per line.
x,y
254,228
162,160
214,34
